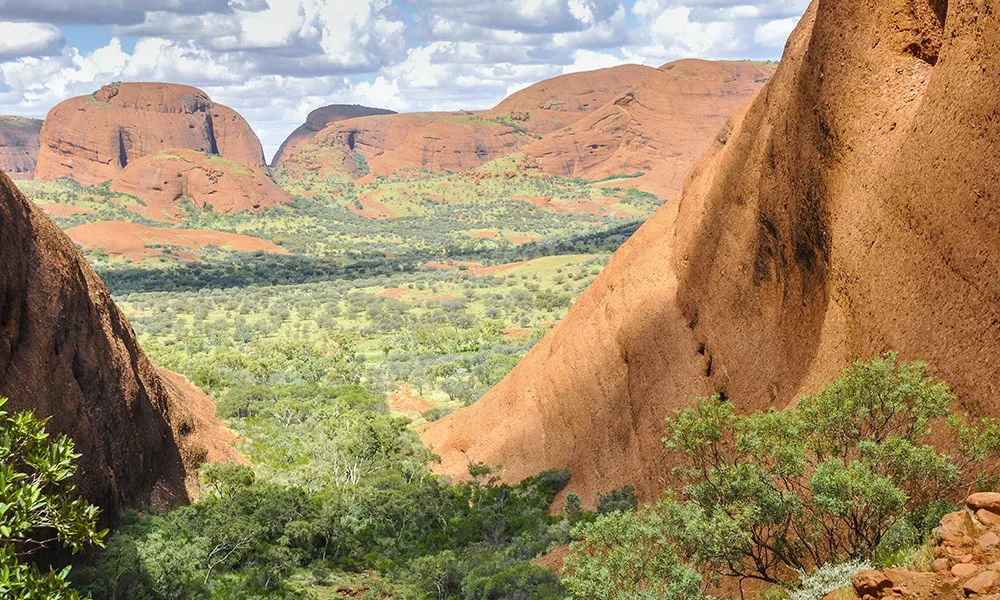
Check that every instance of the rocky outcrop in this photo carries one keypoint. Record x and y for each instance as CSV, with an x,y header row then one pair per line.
x,y
850,209
19,144
437,142
162,180
457,141
94,138
557,102
658,129
317,121
66,351
966,561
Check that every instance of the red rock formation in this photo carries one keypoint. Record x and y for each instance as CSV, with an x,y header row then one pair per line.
x,y
966,562
659,128
438,142
93,138
19,143
210,182
318,120
66,351
850,209
442,142
557,102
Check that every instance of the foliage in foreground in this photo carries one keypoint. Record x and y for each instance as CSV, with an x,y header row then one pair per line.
x,y
39,507
343,488
850,474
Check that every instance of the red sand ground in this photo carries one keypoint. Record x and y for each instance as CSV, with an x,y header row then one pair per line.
x,y
405,400
393,292
63,210
371,208
119,238
516,332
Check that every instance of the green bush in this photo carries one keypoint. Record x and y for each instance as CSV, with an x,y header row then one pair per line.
x,y
39,507
622,499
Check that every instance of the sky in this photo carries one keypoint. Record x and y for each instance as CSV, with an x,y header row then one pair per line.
x,y
276,60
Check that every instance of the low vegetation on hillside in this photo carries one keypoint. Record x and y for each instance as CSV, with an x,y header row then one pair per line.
x,y
857,472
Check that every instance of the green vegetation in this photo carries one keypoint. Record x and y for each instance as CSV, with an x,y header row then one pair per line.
x,y
341,496
20,122
850,474
39,507
400,301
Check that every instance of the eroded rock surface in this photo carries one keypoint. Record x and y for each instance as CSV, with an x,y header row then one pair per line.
x,y
852,208
66,351
20,140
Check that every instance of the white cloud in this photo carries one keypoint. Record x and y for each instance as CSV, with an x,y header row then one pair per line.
x,y
588,60
774,34
714,29
29,39
109,12
276,60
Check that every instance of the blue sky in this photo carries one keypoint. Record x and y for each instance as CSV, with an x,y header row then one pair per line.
x,y
275,60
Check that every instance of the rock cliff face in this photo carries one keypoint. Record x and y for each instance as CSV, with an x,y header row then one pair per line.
x,y
850,209
555,103
66,351
19,144
659,128
441,142
94,138
438,142
210,182
317,121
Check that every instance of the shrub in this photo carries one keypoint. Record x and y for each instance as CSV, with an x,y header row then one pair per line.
x,y
828,578
40,507
628,556
849,471
623,499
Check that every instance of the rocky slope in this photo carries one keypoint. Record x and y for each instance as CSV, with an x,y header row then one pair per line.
x,y
557,102
850,209
382,145
66,351
441,142
19,144
966,561
209,182
317,121
659,128
94,138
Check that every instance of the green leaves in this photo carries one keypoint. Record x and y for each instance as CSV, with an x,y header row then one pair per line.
x,y
629,556
771,493
39,506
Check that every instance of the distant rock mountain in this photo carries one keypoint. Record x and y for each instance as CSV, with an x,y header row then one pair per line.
x,y
597,124
210,182
318,120
67,352
555,103
457,141
121,132
853,207
94,138
658,129
20,140
382,145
